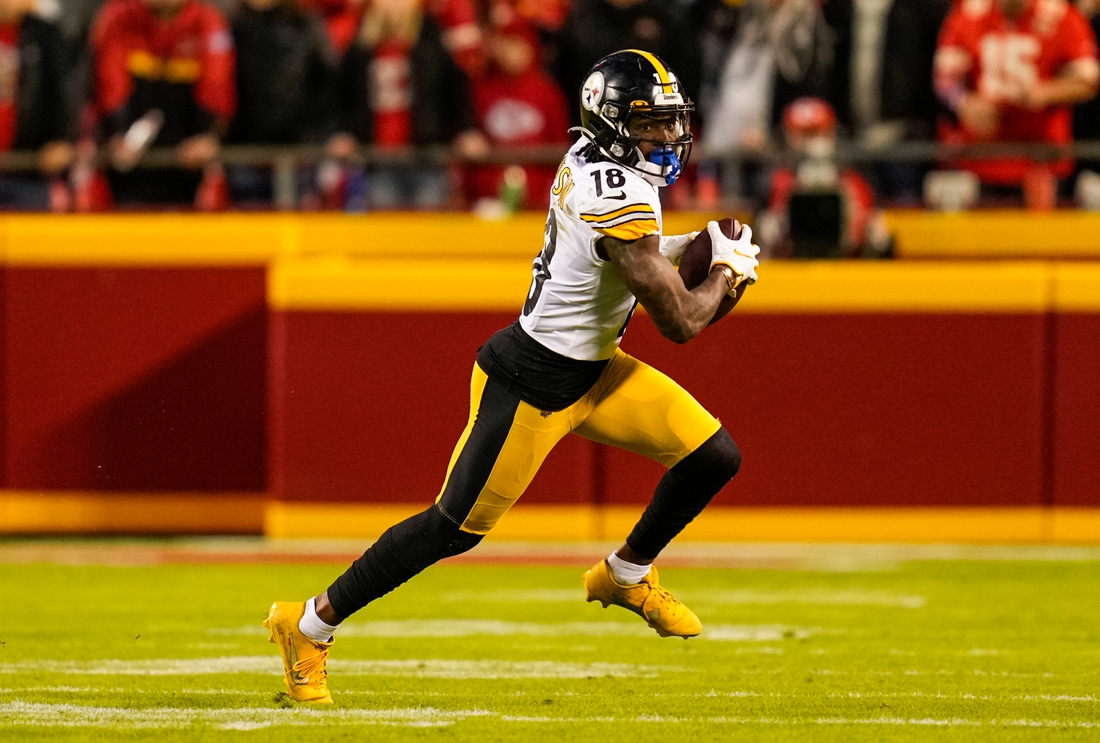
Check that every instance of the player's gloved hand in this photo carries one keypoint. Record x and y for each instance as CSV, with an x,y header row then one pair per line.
x,y
673,246
739,255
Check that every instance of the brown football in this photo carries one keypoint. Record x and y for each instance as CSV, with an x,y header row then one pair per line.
x,y
695,264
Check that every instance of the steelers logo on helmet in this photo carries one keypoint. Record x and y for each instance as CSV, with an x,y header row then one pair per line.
x,y
620,90
592,91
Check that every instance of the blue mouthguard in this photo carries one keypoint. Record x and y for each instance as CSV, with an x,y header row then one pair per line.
x,y
666,158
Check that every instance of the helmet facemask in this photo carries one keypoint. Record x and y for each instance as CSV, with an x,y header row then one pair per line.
x,y
667,158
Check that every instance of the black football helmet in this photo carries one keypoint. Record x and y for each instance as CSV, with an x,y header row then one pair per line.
x,y
634,83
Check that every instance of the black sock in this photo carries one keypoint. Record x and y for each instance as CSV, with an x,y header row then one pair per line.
x,y
684,492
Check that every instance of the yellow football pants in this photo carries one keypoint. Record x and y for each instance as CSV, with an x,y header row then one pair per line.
x,y
632,406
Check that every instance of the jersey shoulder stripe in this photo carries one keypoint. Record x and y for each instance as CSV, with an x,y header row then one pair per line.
x,y
630,209
635,229
627,223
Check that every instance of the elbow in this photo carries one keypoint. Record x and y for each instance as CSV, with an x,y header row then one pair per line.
x,y
678,333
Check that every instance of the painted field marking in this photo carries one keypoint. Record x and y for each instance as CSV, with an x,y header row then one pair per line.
x,y
941,672
245,718
264,664
901,721
889,695
124,690
409,628
660,694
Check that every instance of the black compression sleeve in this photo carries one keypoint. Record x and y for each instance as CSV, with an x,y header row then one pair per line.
x,y
684,492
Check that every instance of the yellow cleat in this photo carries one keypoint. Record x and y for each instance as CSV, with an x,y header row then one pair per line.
x,y
303,659
660,609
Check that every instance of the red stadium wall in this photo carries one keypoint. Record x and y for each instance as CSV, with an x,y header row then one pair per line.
x,y
839,410
864,409
1074,422
1076,459
135,379
134,353
167,374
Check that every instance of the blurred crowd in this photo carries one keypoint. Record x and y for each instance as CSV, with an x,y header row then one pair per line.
x,y
94,86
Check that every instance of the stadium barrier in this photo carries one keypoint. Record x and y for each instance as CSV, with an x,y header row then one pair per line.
x,y
1000,233
306,375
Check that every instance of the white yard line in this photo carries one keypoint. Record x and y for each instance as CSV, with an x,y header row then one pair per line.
x,y
266,664
411,628
710,694
727,720
891,695
19,713
125,690
244,718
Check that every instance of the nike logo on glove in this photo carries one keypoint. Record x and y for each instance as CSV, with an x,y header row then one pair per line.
x,y
620,197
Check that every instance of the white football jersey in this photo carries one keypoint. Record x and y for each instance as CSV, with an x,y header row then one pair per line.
x,y
578,305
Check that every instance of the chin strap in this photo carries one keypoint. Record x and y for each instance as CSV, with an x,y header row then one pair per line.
x,y
667,159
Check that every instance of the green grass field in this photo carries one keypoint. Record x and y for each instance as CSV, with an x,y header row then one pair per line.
x,y
824,643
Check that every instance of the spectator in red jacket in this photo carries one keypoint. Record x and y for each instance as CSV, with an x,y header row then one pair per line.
x,y
517,103
37,111
1012,70
164,76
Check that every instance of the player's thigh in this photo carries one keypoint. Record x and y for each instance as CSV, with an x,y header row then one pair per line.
x,y
644,411
497,456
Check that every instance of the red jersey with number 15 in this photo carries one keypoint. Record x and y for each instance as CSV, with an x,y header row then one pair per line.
x,y
1001,58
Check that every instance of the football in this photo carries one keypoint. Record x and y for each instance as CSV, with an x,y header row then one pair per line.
x,y
695,264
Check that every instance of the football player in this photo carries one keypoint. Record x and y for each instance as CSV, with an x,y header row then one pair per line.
x,y
559,370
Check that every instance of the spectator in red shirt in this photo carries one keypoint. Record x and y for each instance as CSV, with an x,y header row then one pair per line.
x,y
401,88
37,110
517,104
1012,70
164,75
